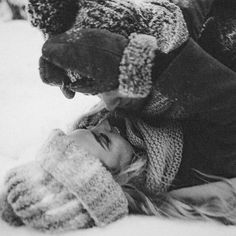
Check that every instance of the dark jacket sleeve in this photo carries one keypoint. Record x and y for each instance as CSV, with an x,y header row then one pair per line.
x,y
199,86
195,13
203,95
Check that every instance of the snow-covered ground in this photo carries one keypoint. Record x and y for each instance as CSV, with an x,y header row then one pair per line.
x,y
29,109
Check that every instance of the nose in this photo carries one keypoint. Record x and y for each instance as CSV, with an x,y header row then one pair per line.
x,y
110,101
104,126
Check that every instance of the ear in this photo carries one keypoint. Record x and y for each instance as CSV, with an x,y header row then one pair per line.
x,y
53,16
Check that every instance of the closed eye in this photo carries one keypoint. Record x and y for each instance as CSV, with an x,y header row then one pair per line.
x,y
98,140
106,140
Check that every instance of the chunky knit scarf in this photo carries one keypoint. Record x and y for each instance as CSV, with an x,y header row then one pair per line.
x,y
163,146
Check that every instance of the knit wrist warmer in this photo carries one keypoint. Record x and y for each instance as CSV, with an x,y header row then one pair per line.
x,y
86,177
135,79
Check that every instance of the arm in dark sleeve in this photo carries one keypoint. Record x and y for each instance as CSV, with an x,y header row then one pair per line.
x,y
198,85
195,13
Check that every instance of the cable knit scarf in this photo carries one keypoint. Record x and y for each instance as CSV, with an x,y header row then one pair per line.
x,y
163,146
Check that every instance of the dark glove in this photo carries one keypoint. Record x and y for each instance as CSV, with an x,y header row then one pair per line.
x,y
97,61
53,75
91,57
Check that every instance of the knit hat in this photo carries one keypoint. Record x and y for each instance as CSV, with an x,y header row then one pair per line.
x,y
66,188
161,21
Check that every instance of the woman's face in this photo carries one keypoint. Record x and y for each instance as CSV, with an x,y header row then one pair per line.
x,y
104,143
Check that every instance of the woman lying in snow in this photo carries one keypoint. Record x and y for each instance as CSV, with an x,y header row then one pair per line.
x,y
109,166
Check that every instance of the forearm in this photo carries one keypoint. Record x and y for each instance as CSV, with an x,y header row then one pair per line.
x,y
195,13
223,190
199,86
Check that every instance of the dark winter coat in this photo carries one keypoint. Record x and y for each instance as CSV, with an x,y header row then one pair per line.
x,y
212,24
200,92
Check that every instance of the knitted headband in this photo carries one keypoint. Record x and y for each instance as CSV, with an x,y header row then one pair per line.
x,y
156,24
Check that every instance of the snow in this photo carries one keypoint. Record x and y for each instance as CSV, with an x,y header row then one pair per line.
x,y
29,110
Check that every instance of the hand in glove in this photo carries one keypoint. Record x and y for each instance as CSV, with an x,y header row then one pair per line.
x,y
166,23
97,61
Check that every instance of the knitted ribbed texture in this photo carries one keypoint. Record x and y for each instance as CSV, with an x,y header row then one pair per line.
x,y
64,189
86,177
156,104
164,146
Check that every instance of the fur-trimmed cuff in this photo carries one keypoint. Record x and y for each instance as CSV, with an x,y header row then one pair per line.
x,y
136,66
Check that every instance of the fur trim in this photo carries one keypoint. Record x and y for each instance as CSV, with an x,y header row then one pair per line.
x,y
135,68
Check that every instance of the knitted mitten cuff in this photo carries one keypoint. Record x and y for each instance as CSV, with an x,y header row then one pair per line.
x,y
86,177
136,65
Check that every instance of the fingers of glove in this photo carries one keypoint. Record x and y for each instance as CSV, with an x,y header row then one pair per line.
x,y
19,190
51,74
7,213
88,51
30,203
41,199
68,217
30,175
13,182
59,211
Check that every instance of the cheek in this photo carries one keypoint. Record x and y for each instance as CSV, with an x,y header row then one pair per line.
x,y
124,153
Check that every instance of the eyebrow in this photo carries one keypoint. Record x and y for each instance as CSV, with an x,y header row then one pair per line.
x,y
97,139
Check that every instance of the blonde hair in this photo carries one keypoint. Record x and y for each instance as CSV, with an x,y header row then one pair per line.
x,y
216,208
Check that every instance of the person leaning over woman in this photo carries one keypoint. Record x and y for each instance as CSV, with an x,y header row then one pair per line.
x,y
193,88
186,84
